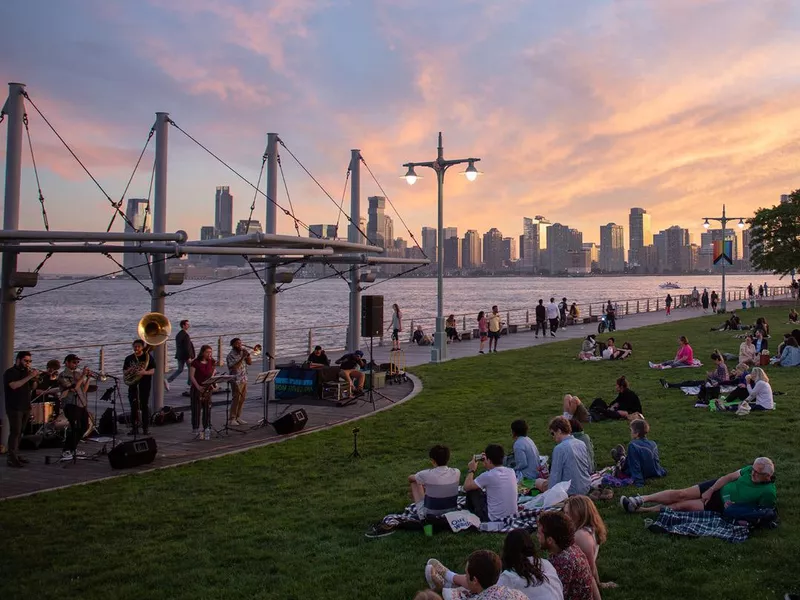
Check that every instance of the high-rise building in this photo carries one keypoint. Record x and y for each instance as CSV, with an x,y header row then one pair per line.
x,y
612,251
559,239
429,242
640,232
675,238
328,232
450,232
223,212
208,232
493,249
534,234
376,224
708,238
136,213
575,240
689,258
746,234
246,227
509,249
594,252
452,252
471,250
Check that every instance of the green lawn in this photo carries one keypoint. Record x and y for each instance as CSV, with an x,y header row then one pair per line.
x,y
288,520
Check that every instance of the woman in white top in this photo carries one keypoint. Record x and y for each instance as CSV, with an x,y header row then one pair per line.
x,y
397,326
760,390
747,351
590,532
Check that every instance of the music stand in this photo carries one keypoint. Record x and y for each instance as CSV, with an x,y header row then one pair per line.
x,y
214,380
262,378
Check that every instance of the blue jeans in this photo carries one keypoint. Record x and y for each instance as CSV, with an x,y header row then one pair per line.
x,y
179,370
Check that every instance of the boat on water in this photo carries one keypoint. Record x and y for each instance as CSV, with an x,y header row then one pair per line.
x,y
670,285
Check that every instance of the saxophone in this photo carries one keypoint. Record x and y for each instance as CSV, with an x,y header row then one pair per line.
x,y
133,374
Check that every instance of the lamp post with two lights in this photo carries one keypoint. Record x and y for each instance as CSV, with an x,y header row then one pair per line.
x,y
723,220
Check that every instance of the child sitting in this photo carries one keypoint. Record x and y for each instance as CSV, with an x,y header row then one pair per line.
x,y
641,461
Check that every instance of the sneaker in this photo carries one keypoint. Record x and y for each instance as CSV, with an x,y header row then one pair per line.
x,y
80,453
14,461
434,574
652,364
720,406
241,421
379,530
618,452
207,434
628,504
66,454
701,405
664,383
481,352
552,335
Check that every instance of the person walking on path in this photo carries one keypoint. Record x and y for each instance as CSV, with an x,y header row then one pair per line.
x,y
761,291
483,330
541,318
695,298
495,324
563,307
184,354
704,300
668,304
552,316
714,301
397,326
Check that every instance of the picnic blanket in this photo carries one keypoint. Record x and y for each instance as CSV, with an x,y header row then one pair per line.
x,y
700,524
695,363
694,390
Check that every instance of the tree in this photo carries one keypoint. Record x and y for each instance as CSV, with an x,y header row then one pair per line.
x,y
775,237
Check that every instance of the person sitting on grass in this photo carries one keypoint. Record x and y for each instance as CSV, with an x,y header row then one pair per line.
x,y
747,351
761,325
526,454
435,490
579,434
641,460
683,358
626,403
760,342
570,460
556,534
790,357
793,318
752,486
479,581
523,570
492,495
574,409
757,393
733,323
588,347
714,377
349,364
590,532
611,352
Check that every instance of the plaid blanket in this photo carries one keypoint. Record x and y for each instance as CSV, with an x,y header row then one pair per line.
x,y
701,524
409,519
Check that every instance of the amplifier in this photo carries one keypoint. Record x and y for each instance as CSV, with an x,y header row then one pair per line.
x,y
133,453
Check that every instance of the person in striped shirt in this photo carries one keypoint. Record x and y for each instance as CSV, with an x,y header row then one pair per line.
x,y
436,490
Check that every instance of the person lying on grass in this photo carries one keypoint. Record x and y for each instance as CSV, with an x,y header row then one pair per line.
x,y
640,461
713,377
522,569
753,486
611,352
683,358
492,495
570,460
590,532
435,490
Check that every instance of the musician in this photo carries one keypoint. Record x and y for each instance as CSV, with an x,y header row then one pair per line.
x,y
74,384
18,383
350,364
184,351
318,359
237,360
200,370
48,381
139,368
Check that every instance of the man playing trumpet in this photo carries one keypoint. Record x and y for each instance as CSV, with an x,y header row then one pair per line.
x,y
18,382
237,360
138,374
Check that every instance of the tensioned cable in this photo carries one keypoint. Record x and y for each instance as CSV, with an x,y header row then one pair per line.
x,y
133,174
250,217
308,282
324,191
75,156
385,195
239,175
411,270
129,273
202,285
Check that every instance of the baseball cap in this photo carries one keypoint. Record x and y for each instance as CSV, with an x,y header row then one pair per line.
x,y
70,357
359,353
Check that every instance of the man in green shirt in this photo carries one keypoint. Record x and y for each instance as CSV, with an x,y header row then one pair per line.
x,y
753,485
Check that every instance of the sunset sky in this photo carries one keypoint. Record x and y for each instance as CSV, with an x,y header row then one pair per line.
x,y
579,110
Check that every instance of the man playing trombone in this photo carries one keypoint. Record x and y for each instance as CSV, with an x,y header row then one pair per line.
x,y
237,360
74,384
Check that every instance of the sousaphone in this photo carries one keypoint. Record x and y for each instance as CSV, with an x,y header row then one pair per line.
x,y
154,328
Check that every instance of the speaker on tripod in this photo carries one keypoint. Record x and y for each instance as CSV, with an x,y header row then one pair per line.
x,y
371,316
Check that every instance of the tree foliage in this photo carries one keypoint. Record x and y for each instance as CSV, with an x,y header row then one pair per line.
x,y
775,237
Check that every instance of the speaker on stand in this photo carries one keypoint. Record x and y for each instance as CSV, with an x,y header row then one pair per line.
x,y
371,327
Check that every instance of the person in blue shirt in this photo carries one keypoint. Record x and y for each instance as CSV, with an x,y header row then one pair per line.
x,y
570,461
526,454
641,461
790,357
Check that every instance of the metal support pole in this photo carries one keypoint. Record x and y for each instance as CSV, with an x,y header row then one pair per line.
x,y
439,351
159,267
14,109
354,236
270,301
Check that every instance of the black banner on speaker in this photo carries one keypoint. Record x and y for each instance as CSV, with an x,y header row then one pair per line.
x,y
291,423
371,316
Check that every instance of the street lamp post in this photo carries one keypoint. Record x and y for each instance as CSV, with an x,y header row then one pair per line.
x,y
723,221
440,165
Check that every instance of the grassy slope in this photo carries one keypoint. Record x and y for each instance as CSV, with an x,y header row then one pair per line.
x,y
287,521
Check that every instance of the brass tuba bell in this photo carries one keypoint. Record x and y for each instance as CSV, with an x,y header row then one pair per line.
x,y
154,328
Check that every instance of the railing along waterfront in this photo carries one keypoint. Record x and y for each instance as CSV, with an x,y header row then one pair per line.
x,y
299,341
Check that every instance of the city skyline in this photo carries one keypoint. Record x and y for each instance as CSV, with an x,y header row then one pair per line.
x,y
674,107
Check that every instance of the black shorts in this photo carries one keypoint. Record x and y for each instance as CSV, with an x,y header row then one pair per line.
x,y
494,335
715,503
395,334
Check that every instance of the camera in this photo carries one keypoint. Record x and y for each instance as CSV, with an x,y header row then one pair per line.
x,y
478,457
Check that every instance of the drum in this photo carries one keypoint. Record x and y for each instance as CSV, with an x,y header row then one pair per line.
x,y
42,412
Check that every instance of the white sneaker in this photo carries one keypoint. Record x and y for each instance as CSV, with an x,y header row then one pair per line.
x,y
241,421
66,454
207,434
80,453
166,385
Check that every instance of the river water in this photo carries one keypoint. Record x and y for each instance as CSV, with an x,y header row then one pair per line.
x,y
107,311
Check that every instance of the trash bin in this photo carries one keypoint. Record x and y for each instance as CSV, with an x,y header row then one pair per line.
x,y
744,304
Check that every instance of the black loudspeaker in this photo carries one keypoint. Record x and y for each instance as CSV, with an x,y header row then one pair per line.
x,y
371,316
133,453
291,423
